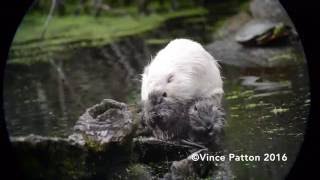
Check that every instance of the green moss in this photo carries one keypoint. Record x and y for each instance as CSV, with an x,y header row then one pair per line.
x,y
235,107
282,57
70,32
239,94
275,130
291,56
255,105
235,115
251,106
232,97
279,110
265,117
138,171
93,145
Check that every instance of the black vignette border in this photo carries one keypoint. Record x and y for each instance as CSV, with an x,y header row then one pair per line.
x,y
11,14
304,16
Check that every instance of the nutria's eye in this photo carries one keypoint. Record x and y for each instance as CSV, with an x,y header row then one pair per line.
x,y
195,108
170,78
164,94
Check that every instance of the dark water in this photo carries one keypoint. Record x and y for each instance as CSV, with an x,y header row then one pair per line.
x,y
47,98
268,124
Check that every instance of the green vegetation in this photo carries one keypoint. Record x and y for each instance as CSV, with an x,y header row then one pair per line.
x,y
93,145
290,56
138,171
279,110
239,94
69,32
72,28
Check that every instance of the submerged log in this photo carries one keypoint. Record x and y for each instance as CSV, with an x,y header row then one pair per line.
x,y
100,146
50,158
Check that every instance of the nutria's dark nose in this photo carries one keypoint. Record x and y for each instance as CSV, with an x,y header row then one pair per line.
x,y
157,97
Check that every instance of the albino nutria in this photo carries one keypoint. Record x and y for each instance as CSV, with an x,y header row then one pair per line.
x,y
183,70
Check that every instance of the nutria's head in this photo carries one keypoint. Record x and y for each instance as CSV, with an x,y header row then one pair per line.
x,y
168,119
206,119
181,71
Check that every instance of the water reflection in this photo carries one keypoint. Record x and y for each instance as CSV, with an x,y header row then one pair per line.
x,y
47,98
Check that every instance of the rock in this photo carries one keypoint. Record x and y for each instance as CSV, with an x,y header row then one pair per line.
x,y
269,9
232,25
265,85
230,52
266,16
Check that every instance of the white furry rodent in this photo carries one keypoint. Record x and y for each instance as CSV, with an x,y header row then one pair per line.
x,y
182,70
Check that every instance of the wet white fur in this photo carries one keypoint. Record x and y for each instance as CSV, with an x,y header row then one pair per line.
x,y
195,73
